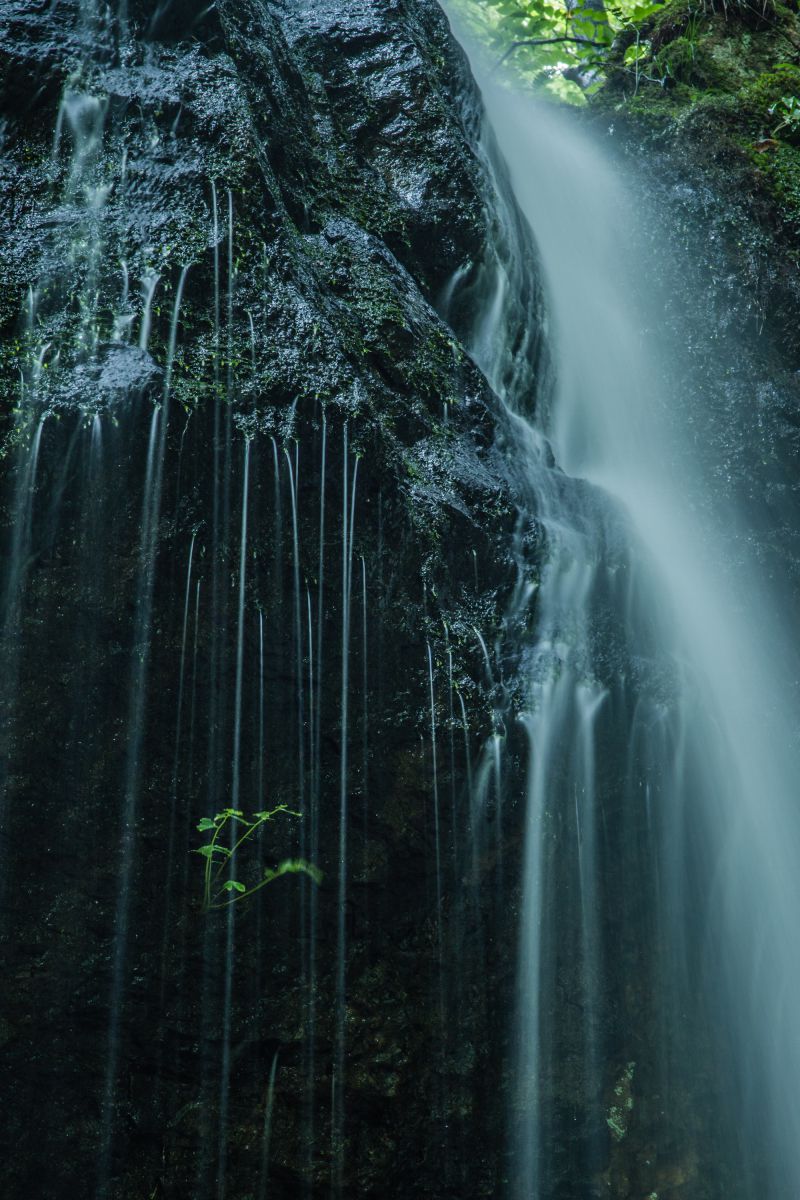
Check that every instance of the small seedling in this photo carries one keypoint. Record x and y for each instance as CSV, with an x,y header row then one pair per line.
x,y
220,859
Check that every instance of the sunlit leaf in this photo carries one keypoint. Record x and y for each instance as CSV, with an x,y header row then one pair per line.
x,y
636,53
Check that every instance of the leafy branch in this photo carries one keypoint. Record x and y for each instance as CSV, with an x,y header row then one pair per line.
x,y
219,857
552,41
561,46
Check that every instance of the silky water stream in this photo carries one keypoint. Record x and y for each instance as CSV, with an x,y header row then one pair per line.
x,y
656,1039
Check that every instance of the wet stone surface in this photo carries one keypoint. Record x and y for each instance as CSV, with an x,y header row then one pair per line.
x,y
314,168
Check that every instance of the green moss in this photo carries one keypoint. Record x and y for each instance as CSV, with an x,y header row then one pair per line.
x,y
654,109
731,56
780,173
768,87
686,61
671,21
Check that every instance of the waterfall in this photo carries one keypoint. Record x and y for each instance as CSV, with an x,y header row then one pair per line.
x,y
660,891
501,681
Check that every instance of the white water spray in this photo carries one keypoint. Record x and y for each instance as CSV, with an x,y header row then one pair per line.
x,y
149,283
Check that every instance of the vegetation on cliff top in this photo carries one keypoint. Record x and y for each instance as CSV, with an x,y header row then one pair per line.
x,y
719,76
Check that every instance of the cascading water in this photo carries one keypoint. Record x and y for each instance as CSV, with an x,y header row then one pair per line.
x,y
660,889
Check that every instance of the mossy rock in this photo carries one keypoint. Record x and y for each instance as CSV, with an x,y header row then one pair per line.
x,y
671,22
768,88
780,171
685,61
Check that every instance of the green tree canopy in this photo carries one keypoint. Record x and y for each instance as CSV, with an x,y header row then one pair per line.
x,y
555,45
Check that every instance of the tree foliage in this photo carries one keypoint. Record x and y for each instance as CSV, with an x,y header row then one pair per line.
x,y
557,45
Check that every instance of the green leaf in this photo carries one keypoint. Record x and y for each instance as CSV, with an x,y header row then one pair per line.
x,y
565,90
637,53
294,866
640,12
209,850
233,885
206,824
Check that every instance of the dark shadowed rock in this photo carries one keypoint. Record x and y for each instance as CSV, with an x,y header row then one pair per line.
x,y
314,168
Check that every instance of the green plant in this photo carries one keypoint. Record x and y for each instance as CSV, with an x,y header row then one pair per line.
x,y
788,110
559,45
692,31
219,892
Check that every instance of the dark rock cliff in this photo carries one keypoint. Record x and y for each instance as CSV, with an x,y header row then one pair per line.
x,y
313,166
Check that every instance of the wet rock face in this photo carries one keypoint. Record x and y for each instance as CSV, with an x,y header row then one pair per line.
x,y
374,61
234,232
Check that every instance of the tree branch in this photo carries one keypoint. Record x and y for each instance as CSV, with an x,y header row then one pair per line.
x,y
546,42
